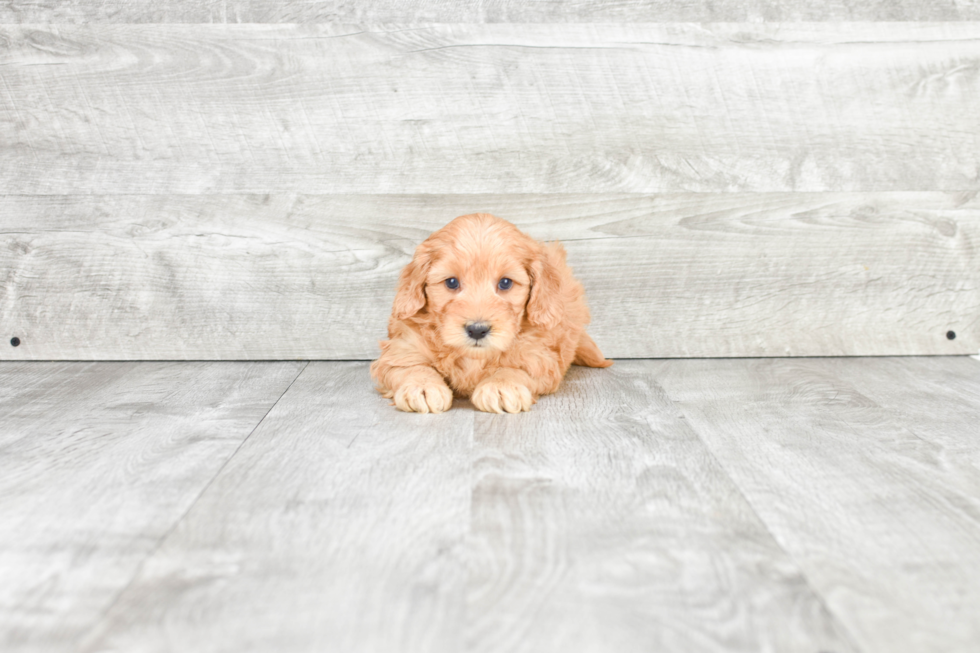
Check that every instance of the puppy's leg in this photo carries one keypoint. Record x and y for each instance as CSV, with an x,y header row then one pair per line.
x,y
418,389
508,390
587,353
403,373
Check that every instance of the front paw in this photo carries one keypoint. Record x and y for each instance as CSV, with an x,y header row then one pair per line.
x,y
424,397
502,396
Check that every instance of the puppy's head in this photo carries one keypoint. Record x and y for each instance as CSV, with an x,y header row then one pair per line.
x,y
477,279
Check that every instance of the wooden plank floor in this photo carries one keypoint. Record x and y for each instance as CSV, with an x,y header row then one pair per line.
x,y
684,505
98,462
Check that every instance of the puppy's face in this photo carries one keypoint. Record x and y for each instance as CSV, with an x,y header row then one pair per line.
x,y
473,281
478,300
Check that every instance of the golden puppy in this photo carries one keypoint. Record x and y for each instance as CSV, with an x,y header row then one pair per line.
x,y
484,311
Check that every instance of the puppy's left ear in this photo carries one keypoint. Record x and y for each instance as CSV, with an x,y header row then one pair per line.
x,y
410,296
544,306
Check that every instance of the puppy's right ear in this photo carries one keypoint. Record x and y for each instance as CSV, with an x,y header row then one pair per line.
x,y
410,296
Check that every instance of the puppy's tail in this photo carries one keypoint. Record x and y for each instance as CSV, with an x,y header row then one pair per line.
x,y
587,353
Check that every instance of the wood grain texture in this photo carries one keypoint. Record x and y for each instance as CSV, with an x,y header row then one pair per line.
x,y
600,522
489,108
882,514
935,398
355,527
338,526
97,463
489,11
757,505
312,277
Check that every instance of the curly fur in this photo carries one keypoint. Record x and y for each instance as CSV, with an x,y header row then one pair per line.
x,y
537,327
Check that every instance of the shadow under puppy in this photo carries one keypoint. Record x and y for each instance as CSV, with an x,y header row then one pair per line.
x,y
487,312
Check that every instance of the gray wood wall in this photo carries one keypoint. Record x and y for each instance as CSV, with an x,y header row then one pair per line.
x,y
177,186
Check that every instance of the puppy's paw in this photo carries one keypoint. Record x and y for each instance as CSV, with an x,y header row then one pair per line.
x,y
425,397
496,395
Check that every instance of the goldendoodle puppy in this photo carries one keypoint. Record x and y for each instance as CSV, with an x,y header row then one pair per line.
x,y
484,311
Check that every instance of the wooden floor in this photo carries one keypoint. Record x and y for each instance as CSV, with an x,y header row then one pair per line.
x,y
817,505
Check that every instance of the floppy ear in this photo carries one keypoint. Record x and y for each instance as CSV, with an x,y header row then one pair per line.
x,y
410,296
544,305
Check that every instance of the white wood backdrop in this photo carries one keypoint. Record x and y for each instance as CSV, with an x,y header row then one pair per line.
x,y
489,108
485,11
312,276
181,191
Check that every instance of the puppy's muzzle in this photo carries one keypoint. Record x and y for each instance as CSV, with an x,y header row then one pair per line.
x,y
477,330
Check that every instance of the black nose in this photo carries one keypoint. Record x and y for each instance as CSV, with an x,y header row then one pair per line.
x,y
477,330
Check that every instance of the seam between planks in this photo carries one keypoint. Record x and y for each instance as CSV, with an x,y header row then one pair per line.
x,y
183,516
845,631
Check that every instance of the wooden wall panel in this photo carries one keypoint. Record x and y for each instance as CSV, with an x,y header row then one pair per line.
x,y
180,191
305,276
486,11
649,108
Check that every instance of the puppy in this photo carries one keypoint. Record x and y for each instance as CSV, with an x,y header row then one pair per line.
x,y
485,312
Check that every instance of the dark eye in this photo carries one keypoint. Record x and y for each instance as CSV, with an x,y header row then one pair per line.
x,y
452,283
505,284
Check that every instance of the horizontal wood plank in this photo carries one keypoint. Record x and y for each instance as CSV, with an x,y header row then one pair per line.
x,y
98,461
312,277
488,11
882,515
489,108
